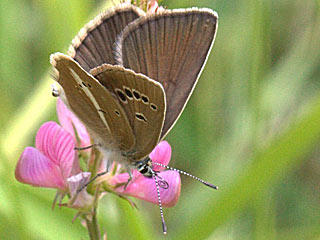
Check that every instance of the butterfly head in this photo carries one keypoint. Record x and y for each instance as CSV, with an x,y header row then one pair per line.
x,y
145,167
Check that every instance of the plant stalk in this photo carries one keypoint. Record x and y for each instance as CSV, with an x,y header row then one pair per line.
x,y
93,226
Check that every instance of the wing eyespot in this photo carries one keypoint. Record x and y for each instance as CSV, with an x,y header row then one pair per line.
x,y
153,107
117,112
141,117
136,94
121,95
128,92
145,99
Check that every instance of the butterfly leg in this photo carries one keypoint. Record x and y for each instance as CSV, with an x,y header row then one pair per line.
x,y
92,179
130,177
108,165
87,147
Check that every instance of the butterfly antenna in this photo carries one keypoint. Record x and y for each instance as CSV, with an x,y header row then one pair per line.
x,y
187,174
164,226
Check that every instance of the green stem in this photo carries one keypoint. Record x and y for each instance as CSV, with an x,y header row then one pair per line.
x,y
93,226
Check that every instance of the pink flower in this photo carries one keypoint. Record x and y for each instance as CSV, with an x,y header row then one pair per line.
x,y
81,200
153,7
51,162
144,188
70,122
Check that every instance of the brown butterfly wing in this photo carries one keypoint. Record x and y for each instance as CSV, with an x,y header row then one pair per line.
x,y
93,45
143,100
171,47
93,104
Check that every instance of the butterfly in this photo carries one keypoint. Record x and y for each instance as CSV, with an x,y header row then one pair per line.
x,y
128,76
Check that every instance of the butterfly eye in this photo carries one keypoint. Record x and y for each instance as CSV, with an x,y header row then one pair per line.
x,y
144,170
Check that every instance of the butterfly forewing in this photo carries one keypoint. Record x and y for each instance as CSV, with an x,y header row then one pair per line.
x,y
93,104
143,100
93,45
171,47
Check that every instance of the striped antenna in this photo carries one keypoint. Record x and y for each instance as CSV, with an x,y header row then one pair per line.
x,y
164,226
187,174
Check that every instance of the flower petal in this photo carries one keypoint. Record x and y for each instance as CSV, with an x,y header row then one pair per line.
x,y
81,200
69,121
77,181
153,7
161,154
145,188
58,145
36,169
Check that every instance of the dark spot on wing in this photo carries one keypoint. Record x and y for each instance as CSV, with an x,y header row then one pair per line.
x,y
145,99
136,94
153,107
141,117
121,95
128,93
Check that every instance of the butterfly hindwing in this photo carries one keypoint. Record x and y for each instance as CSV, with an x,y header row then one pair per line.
x,y
93,45
143,100
93,104
170,47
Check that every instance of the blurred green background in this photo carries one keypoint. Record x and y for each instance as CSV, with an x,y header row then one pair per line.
x,y
252,126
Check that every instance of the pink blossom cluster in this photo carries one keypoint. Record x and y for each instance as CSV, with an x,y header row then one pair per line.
x,y
54,163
